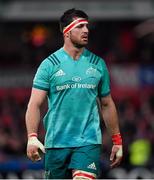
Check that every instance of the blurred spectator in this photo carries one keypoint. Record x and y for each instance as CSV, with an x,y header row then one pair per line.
x,y
140,152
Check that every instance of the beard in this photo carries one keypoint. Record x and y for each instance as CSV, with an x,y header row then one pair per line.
x,y
78,43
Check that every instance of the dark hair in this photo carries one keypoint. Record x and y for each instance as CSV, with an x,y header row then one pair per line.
x,y
68,16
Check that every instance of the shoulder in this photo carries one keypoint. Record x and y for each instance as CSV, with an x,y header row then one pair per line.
x,y
54,57
95,59
51,60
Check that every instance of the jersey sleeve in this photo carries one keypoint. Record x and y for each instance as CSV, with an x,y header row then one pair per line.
x,y
41,79
104,85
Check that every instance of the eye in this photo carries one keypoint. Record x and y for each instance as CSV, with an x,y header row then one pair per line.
x,y
80,26
87,25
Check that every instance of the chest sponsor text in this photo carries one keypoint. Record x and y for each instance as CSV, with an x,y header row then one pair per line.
x,y
75,86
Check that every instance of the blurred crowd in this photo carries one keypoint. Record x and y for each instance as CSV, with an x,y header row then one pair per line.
x,y
115,41
13,136
25,45
136,116
12,130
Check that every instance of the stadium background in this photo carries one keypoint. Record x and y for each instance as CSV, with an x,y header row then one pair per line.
x,y
121,32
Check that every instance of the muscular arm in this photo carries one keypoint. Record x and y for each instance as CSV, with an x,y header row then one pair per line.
x,y
109,114
32,123
110,118
33,110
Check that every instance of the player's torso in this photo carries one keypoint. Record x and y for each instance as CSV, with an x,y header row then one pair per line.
x,y
72,101
69,74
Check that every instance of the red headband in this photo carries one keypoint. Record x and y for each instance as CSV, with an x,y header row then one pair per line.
x,y
75,23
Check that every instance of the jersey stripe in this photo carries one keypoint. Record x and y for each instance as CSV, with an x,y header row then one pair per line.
x,y
97,61
92,57
56,58
51,60
55,61
94,60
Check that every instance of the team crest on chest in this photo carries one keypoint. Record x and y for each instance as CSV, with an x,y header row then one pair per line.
x,y
91,71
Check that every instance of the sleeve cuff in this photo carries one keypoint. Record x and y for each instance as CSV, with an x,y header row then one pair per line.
x,y
40,87
105,94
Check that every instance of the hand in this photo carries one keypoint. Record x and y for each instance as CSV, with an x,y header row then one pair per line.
x,y
32,149
116,155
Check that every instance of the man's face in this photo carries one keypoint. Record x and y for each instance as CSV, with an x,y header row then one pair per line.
x,y
79,35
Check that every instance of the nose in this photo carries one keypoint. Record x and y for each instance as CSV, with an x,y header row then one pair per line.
x,y
85,28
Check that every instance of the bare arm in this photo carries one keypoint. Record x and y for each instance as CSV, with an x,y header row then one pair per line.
x,y
110,118
33,110
109,114
32,123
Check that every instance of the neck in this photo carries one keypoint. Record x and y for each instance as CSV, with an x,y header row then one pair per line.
x,y
74,52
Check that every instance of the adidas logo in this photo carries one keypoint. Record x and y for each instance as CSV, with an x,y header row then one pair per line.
x,y
92,166
60,73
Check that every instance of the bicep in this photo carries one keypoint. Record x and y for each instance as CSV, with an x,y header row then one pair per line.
x,y
37,97
106,101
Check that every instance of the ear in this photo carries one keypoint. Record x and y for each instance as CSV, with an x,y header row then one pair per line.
x,y
67,34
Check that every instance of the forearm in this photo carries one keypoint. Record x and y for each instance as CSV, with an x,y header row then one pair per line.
x,y
32,118
110,117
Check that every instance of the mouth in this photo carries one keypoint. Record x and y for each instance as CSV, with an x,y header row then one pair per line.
x,y
84,37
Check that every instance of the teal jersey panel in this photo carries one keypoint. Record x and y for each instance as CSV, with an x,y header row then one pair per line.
x,y
73,86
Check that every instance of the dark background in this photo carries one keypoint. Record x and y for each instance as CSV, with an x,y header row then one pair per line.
x,y
122,33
